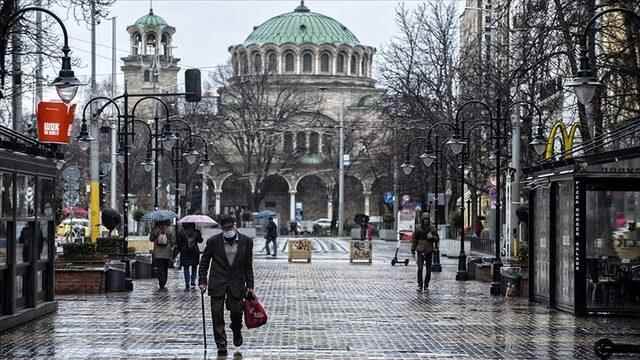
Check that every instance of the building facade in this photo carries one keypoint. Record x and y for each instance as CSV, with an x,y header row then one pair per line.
x,y
317,54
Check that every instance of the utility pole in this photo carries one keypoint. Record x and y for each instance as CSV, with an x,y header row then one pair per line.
x,y
341,173
94,150
396,196
515,179
114,124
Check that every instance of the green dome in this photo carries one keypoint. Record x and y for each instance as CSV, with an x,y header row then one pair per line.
x,y
301,26
151,20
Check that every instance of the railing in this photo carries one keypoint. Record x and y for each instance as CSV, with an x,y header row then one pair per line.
x,y
483,245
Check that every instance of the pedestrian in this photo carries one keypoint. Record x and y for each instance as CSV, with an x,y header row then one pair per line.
x,y
293,228
188,240
272,237
164,240
229,281
423,242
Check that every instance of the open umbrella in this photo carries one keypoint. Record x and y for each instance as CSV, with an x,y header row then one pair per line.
x,y
75,212
197,219
159,215
264,214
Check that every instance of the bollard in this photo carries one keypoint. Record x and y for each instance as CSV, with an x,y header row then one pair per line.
x,y
604,348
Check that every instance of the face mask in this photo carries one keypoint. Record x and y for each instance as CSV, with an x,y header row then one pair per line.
x,y
229,234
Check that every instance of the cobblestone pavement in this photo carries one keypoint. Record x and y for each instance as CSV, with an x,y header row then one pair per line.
x,y
328,309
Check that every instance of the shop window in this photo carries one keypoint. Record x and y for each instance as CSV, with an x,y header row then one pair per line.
x,y
44,240
25,191
6,189
612,236
25,240
4,241
46,197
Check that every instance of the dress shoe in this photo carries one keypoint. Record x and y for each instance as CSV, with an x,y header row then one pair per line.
x,y
237,338
222,352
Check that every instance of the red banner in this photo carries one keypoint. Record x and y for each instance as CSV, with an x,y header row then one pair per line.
x,y
54,122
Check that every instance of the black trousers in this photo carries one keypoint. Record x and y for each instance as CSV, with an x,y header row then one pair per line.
x,y
162,266
275,246
234,305
424,261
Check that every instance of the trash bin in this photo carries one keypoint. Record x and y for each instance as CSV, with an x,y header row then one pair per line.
x,y
142,269
116,276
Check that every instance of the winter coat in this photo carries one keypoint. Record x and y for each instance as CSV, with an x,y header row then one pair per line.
x,y
163,251
423,240
272,230
188,246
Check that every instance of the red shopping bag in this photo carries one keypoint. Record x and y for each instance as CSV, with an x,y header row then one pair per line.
x,y
254,313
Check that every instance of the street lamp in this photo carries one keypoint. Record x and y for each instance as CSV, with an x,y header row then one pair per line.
x,y
539,144
456,144
427,158
66,83
191,156
407,168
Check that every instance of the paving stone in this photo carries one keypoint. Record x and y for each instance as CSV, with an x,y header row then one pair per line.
x,y
328,309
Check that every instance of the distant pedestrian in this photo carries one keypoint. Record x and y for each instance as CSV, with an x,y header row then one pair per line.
x,y
293,228
272,237
164,240
423,242
230,279
188,240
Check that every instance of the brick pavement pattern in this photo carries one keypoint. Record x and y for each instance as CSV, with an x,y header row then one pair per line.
x,y
328,309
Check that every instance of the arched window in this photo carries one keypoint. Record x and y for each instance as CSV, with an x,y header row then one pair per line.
x,y
273,63
325,63
354,64
235,66
301,142
287,145
151,44
136,44
341,64
165,45
289,63
307,63
363,67
244,64
327,144
314,143
257,63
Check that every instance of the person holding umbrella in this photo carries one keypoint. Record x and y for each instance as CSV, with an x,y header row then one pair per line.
x,y
229,280
188,239
164,240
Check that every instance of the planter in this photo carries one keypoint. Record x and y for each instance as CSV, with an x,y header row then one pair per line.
x,y
80,280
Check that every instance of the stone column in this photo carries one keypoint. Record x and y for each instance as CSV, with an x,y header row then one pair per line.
x,y
367,202
218,200
292,205
320,143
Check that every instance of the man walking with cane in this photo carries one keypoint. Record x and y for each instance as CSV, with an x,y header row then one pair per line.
x,y
228,258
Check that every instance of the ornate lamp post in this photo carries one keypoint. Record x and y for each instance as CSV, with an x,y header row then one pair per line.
x,y
66,83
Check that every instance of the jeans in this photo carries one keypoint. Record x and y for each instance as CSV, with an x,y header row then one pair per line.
x,y
424,260
275,246
234,305
190,276
162,266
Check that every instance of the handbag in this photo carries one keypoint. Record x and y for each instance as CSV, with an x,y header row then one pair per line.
x,y
254,313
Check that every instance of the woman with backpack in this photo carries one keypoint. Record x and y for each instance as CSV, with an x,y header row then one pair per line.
x,y
188,240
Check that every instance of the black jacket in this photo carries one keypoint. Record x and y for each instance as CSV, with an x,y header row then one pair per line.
x,y
272,230
189,255
236,277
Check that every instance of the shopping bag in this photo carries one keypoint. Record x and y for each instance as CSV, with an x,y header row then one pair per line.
x,y
254,313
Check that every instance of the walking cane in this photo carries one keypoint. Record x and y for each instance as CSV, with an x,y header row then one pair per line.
x,y
204,326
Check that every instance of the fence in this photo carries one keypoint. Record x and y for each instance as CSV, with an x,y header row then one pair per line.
x,y
483,245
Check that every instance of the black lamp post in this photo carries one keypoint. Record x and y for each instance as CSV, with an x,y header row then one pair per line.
x,y
176,141
66,83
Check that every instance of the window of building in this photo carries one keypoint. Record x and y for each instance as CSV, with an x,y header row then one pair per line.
x,y
364,66
26,192
301,142
314,143
44,239
147,75
165,44
289,65
244,64
257,63
4,242
273,63
25,239
341,65
326,144
136,44
354,65
325,63
287,145
151,44
307,63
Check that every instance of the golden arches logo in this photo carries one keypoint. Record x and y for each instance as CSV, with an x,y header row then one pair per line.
x,y
567,138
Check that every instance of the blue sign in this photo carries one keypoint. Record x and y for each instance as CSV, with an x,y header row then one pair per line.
x,y
389,198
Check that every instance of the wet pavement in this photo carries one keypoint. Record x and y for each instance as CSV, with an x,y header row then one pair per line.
x,y
328,309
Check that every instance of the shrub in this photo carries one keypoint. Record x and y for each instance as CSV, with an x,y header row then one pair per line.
x,y
75,250
138,214
109,246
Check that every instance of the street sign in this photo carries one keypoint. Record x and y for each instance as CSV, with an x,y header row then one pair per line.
x,y
346,160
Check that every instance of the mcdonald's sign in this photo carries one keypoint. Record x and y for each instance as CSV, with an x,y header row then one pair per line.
x,y
567,138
